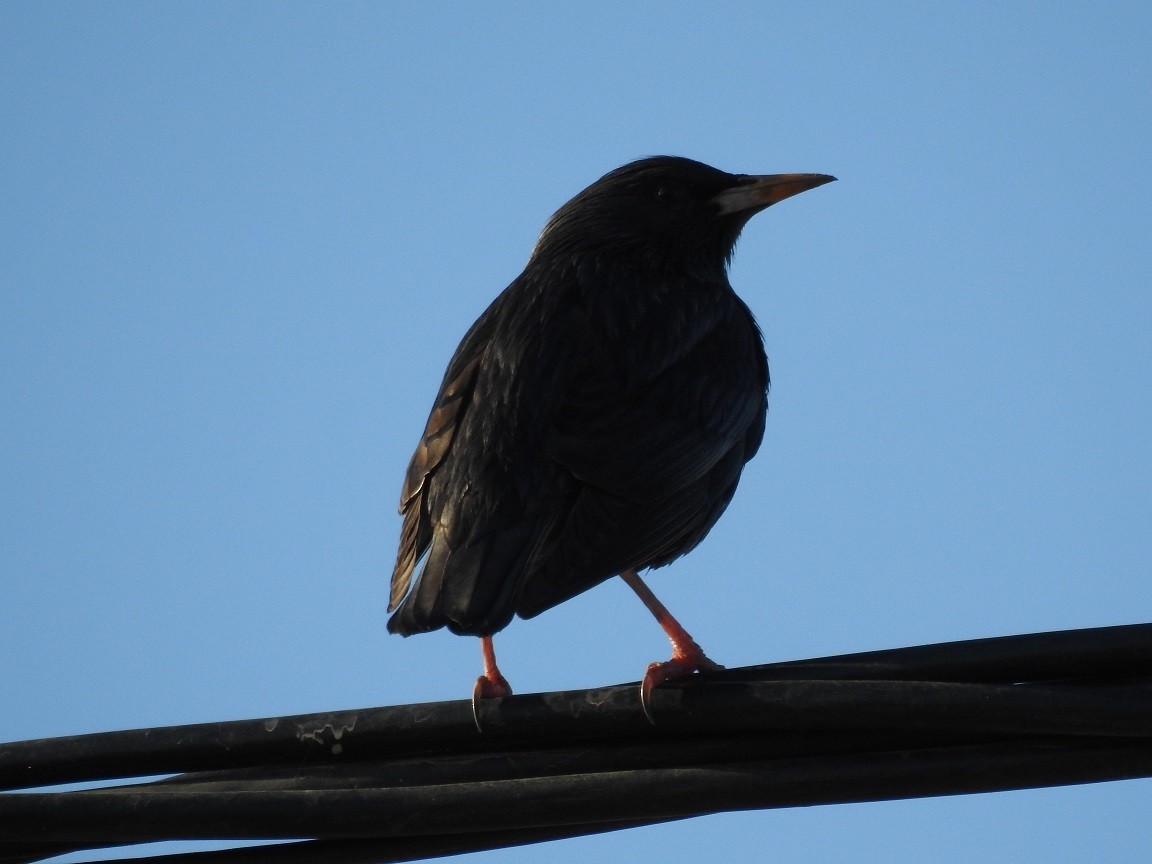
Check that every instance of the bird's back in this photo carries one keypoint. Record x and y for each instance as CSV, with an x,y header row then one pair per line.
x,y
596,418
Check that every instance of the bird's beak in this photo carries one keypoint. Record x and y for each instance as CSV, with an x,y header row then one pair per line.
x,y
757,192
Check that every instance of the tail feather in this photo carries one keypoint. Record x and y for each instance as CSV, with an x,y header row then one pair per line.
x,y
420,611
414,539
471,590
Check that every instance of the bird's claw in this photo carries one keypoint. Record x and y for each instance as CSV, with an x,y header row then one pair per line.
x,y
487,688
677,667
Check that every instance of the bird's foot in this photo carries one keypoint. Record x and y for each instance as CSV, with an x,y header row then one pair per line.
x,y
488,688
491,688
683,663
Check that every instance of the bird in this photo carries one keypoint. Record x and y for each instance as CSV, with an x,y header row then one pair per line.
x,y
595,419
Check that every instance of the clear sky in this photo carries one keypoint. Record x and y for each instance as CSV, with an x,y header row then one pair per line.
x,y
240,241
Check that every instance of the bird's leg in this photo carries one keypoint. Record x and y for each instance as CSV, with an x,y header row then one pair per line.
x,y
687,656
491,683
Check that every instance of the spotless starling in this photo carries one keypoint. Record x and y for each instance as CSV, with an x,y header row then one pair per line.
x,y
595,420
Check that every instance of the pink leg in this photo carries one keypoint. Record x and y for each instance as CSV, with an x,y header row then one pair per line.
x,y
687,656
491,684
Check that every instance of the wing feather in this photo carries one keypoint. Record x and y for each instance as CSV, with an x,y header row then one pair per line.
x,y
656,464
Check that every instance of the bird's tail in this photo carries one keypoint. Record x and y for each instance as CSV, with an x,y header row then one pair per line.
x,y
471,590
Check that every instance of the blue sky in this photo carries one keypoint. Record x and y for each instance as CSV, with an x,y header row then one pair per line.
x,y
239,242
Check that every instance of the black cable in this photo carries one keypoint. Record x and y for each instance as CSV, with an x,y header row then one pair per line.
x,y
415,781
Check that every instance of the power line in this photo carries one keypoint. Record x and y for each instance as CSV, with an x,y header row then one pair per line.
x,y
413,781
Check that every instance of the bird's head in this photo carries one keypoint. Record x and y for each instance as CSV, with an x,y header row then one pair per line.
x,y
666,211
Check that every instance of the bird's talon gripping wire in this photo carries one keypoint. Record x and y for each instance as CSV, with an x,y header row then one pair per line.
x,y
486,688
490,685
677,667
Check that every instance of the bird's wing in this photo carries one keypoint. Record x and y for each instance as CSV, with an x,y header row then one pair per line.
x,y
606,534
447,412
479,499
648,438
657,463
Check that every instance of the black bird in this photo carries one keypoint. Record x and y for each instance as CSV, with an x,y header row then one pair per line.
x,y
595,420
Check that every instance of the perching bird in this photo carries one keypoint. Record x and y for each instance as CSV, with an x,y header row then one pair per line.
x,y
595,420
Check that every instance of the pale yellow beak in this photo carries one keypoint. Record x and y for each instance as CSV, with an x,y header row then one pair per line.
x,y
758,192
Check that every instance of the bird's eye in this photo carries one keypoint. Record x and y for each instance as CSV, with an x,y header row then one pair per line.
x,y
669,192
